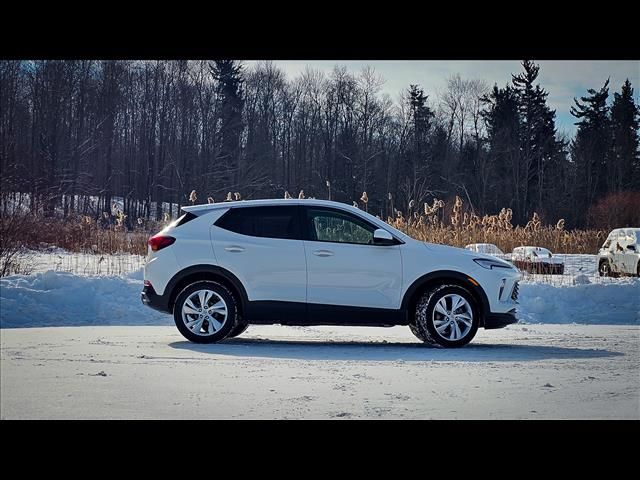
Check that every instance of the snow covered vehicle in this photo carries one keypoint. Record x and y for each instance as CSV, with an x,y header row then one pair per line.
x,y
620,253
486,248
537,260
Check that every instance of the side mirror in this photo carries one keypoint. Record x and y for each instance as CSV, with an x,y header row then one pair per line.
x,y
631,247
382,237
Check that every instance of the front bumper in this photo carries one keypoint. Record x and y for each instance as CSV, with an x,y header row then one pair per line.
x,y
500,320
151,299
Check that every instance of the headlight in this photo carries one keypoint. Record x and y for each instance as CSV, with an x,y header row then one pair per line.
x,y
491,264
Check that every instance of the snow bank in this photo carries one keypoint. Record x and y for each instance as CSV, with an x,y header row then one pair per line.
x,y
598,303
63,299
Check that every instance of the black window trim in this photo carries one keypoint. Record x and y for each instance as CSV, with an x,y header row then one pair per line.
x,y
303,226
297,217
306,232
185,218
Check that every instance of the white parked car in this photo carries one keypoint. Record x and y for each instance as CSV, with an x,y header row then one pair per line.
x,y
537,260
221,267
620,253
486,248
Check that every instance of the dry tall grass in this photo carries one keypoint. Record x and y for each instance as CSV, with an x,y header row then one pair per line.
x,y
76,234
464,228
84,234
109,236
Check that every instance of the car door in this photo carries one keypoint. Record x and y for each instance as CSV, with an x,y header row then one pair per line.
x,y
263,247
630,255
344,266
618,247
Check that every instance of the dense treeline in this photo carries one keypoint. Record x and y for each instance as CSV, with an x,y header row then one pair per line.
x,y
154,131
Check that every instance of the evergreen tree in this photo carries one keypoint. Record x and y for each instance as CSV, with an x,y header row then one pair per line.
x,y
625,157
503,130
417,164
421,118
228,74
590,149
538,145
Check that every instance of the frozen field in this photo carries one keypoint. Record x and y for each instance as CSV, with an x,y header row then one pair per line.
x,y
272,372
64,299
92,350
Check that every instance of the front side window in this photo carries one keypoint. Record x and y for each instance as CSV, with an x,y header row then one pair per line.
x,y
269,222
332,226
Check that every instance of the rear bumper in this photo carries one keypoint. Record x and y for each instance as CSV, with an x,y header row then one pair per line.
x,y
151,299
500,320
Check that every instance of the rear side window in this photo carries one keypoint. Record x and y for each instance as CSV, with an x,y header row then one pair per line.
x,y
268,222
187,217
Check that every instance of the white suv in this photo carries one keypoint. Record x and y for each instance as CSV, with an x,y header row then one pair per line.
x,y
220,267
620,253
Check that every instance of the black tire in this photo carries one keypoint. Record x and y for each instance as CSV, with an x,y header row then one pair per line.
x,y
416,331
238,329
225,294
604,269
638,269
423,325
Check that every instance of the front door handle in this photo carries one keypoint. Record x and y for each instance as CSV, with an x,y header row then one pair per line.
x,y
234,249
323,253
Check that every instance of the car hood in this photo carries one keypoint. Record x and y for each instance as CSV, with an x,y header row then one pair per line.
x,y
448,250
463,258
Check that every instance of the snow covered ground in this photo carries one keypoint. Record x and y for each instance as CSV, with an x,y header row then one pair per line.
x,y
109,356
523,371
64,299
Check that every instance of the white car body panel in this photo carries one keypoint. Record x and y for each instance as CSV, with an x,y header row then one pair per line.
x,y
355,275
284,270
269,269
421,258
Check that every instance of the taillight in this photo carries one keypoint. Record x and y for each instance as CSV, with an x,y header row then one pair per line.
x,y
158,242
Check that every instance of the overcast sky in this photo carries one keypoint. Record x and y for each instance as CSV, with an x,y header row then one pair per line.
x,y
562,79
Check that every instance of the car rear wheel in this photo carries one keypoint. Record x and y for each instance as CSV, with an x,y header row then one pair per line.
x,y
205,312
604,269
446,315
238,329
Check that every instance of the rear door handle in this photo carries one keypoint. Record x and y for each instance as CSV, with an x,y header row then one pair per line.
x,y
323,253
234,248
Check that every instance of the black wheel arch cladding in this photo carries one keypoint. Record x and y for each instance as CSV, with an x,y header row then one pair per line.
x,y
453,277
196,273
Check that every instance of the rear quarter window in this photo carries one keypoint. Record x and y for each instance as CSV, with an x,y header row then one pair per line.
x,y
187,217
266,222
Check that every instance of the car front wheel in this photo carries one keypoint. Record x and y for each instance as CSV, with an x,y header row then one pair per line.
x,y
205,312
604,269
446,315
